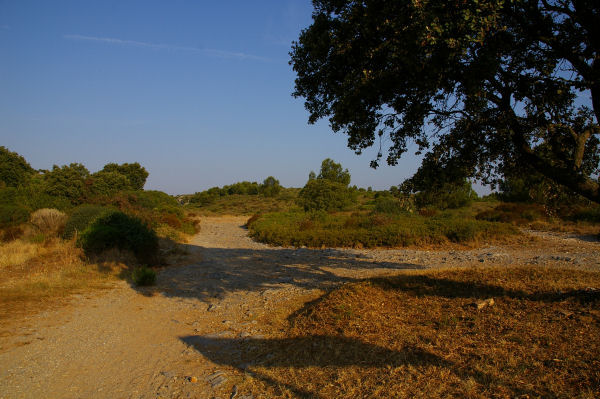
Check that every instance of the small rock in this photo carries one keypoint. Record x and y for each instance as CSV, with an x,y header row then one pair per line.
x,y
167,374
483,304
212,307
216,379
234,392
193,379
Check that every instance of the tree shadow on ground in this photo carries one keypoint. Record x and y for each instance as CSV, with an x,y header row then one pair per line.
x,y
423,285
254,355
224,270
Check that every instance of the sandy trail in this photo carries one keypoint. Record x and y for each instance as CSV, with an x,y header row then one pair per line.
x,y
147,343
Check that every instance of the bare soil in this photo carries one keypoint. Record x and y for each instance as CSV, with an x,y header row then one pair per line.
x,y
159,342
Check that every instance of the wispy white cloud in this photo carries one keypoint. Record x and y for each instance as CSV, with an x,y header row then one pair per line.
x,y
133,43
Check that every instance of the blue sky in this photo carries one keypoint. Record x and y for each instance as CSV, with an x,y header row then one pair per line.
x,y
199,92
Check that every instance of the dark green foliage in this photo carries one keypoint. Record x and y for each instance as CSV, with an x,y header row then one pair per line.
x,y
371,230
325,195
14,169
211,195
516,213
82,217
143,276
134,172
332,171
446,196
389,204
12,215
67,182
270,187
479,86
589,214
118,230
329,190
108,183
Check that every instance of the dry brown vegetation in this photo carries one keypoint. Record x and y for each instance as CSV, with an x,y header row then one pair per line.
x,y
35,275
421,334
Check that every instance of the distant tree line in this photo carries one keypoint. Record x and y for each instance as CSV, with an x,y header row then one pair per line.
x,y
270,187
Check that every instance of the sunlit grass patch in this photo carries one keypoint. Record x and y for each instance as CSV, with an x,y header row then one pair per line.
x,y
33,275
421,334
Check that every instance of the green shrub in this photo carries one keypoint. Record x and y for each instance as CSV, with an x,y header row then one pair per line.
x,y
270,187
389,204
589,214
325,195
83,216
118,230
12,215
143,276
371,230
516,213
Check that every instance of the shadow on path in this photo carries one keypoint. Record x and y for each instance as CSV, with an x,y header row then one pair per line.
x,y
227,270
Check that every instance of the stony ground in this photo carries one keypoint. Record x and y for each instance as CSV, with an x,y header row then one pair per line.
x,y
170,341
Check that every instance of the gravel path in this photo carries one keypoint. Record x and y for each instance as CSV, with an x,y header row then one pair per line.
x,y
156,342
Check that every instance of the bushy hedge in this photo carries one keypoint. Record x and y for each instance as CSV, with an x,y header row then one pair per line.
x,y
118,230
370,230
325,195
82,217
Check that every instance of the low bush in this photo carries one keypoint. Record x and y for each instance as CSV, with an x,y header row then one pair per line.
x,y
118,230
81,217
48,221
372,230
143,276
389,204
515,213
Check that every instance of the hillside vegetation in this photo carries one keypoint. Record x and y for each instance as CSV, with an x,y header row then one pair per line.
x,y
67,230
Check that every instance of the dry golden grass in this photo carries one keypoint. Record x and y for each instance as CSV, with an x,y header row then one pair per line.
x,y
49,221
420,335
34,276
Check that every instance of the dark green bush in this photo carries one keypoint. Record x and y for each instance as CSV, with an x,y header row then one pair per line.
x,y
325,195
12,215
118,230
446,196
67,182
143,276
14,169
270,187
82,217
389,204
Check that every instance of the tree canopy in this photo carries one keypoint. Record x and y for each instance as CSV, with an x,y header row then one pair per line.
x,y
483,88
14,169
135,172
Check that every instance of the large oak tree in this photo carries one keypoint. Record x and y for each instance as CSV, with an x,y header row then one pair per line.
x,y
482,87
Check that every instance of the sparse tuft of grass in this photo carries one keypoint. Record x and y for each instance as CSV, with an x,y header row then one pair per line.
x,y
419,335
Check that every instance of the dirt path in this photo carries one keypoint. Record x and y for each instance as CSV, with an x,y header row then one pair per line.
x,y
156,343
